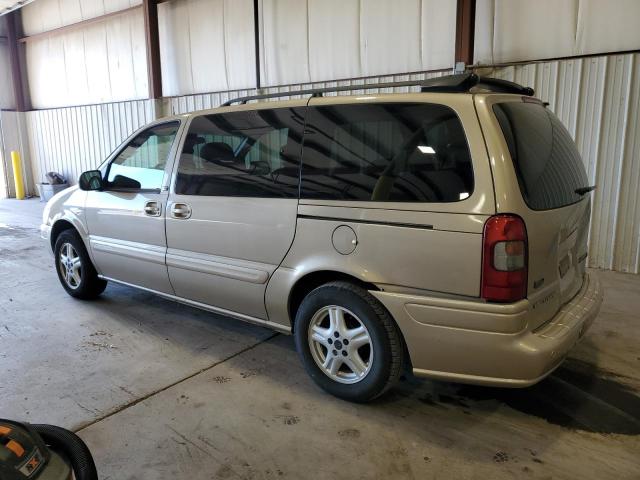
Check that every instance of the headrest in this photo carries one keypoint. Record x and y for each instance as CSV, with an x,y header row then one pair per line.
x,y
217,152
290,152
191,141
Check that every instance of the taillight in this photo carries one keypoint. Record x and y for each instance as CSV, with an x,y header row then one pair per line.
x,y
504,259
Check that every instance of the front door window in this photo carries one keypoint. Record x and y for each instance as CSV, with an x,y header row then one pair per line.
x,y
141,164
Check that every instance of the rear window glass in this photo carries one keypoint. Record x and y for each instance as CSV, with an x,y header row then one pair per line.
x,y
547,162
399,152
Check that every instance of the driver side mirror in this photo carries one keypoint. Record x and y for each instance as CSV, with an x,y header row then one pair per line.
x,y
91,180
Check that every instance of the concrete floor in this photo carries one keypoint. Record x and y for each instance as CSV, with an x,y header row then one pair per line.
x,y
163,391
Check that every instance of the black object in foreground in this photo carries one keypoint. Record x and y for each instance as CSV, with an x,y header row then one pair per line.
x,y
43,452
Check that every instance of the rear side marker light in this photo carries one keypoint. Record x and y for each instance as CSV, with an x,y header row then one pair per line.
x,y
504,259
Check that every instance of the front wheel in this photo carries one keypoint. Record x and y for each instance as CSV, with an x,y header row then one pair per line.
x,y
348,342
75,270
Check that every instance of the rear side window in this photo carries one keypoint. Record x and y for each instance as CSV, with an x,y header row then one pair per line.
x,y
386,153
242,154
547,162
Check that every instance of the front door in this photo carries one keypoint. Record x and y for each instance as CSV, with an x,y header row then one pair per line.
x,y
126,221
232,211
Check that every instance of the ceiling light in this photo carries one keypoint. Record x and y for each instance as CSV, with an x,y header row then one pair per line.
x,y
426,149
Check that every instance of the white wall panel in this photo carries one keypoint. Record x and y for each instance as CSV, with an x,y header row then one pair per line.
x,y
45,15
285,42
71,11
75,77
520,30
438,26
317,40
208,65
528,31
334,40
127,57
206,45
175,48
101,62
239,41
97,65
391,36
483,38
607,26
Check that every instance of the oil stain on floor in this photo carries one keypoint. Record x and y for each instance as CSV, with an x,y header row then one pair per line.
x,y
572,397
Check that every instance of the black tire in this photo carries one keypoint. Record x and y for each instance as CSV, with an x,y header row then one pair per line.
x,y
385,340
89,286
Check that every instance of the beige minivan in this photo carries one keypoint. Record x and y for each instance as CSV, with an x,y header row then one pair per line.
x,y
444,231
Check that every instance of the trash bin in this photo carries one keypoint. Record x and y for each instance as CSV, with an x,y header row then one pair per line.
x,y
46,190
53,183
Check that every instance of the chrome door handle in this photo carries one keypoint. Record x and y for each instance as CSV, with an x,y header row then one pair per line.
x,y
180,210
153,209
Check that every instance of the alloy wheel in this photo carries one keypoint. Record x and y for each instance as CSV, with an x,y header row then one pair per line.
x,y
70,266
340,344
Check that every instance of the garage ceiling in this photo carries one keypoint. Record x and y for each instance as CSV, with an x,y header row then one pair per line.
x,y
7,5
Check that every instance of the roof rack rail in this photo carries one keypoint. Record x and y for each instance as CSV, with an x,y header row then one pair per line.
x,y
459,83
504,86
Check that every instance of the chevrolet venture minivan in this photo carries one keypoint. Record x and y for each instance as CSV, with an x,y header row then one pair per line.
x,y
443,232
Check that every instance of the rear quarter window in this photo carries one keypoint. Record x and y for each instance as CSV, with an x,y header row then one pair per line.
x,y
547,163
395,152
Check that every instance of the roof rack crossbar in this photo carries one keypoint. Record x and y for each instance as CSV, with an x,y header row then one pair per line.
x,y
459,83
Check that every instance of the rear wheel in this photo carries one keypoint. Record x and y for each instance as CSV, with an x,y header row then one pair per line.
x,y
348,342
75,270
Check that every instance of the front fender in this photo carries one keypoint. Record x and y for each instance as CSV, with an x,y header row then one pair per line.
x,y
66,207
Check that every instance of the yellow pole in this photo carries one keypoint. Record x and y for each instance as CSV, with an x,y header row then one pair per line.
x,y
17,174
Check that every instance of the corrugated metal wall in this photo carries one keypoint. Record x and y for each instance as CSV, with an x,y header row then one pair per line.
x,y
597,98
189,103
74,139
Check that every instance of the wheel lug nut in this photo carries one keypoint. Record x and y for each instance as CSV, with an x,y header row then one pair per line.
x,y
336,334
344,353
330,341
334,352
345,341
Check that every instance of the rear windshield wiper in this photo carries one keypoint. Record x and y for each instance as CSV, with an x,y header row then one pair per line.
x,y
584,190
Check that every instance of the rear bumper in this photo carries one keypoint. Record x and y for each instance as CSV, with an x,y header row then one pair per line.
x,y
471,342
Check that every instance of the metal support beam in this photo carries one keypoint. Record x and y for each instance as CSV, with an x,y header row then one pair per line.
x,y
16,60
465,31
256,33
154,73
